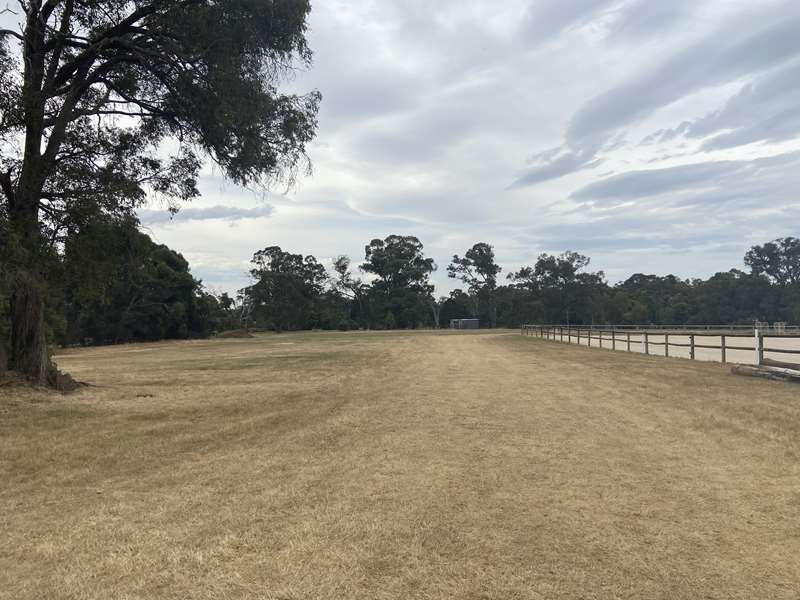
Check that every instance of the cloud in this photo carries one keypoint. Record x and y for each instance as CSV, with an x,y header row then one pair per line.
x,y
766,109
431,108
546,19
653,182
552,167
641,18
740,48
632,20
717,59
704,184
223,213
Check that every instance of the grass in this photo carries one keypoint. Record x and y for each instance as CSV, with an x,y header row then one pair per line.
x,y
398,465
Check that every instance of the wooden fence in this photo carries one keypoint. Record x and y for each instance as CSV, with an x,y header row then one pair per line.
x,y
647,339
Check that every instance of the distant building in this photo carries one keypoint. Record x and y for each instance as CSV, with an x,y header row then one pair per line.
x,y
465,324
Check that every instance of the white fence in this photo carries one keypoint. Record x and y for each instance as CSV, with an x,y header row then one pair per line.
x,y
736,344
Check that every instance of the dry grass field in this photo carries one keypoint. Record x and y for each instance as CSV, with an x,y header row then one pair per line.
x,y
398,465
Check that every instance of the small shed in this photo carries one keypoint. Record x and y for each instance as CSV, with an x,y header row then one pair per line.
x,y
465,324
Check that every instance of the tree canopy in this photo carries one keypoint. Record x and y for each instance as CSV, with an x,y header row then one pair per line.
x,y
401,293
779,260
478,271
287,288
109,102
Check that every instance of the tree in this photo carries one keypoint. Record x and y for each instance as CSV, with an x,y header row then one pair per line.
x,y
779,260
116,285
566,292
655,299
287,288
436,309
102,86
456,306
478,271
347,285
401,289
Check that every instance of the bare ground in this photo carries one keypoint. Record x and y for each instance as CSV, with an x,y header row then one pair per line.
x,y
384,465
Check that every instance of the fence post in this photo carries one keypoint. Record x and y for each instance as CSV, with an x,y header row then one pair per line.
x,y
760,346
691,346
601,338
628,335
646,343
561,331
724,351
589,333
666,345
613,338
579,336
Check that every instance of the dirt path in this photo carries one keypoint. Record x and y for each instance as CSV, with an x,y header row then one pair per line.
x,y
485,466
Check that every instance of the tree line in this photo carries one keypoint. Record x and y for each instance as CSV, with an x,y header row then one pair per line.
x,y
112,284
391,289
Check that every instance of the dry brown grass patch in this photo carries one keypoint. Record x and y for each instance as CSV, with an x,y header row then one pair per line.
x,y
398,465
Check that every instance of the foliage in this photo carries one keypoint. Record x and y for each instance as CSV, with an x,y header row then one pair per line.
x,y
568,293
120,286
103,89
779,260
112,284
288,289
398,262
352,289
478,271
401,292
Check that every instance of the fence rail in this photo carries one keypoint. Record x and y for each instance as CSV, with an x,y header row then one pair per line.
x,y
647,338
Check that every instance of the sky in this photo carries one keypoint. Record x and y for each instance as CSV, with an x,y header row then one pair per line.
x,y
655,137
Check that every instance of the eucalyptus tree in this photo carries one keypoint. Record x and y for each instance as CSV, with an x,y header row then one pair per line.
x,y
288,288
401,289
478,271
565,288
779,260
348,286
107,103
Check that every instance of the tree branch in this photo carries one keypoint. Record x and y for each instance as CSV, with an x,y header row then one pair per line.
x,y
12,33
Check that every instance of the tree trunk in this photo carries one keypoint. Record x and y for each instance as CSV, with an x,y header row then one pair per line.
x,y
29,355
436,308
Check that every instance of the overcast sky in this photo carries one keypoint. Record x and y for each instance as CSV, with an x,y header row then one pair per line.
x,y
656,137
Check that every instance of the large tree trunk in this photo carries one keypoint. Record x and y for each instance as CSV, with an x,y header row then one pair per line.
x,y
29,356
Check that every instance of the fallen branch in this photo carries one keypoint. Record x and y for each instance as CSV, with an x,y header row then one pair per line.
x,y
769,362
771,373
